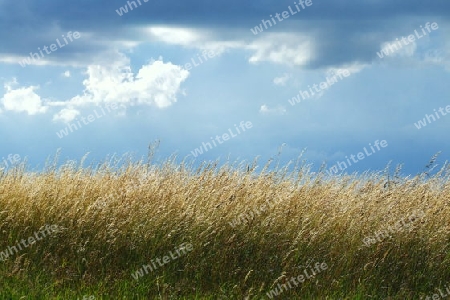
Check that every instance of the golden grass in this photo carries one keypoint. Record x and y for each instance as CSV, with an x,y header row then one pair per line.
x,y
113,219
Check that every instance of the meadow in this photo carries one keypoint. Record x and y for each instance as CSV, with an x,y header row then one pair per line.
x,y
140,230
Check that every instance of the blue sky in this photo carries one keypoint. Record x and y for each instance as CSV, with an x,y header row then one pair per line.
x,y
116,79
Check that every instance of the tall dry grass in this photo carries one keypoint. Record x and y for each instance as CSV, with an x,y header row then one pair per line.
x,y
117,216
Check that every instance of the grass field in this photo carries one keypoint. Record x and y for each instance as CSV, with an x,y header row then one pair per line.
x,y
228,232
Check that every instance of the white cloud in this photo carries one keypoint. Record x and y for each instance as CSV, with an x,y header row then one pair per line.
x,y
438,56
202,39
281,81
279,110
9,59
353,69
176,36
396,48
66,115
66,74
23,99
283,48
156,83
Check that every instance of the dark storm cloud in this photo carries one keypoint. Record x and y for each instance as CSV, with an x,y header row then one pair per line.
x,y
345,31
231,13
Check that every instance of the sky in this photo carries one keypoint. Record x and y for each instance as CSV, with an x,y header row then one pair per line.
x,y
354,84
